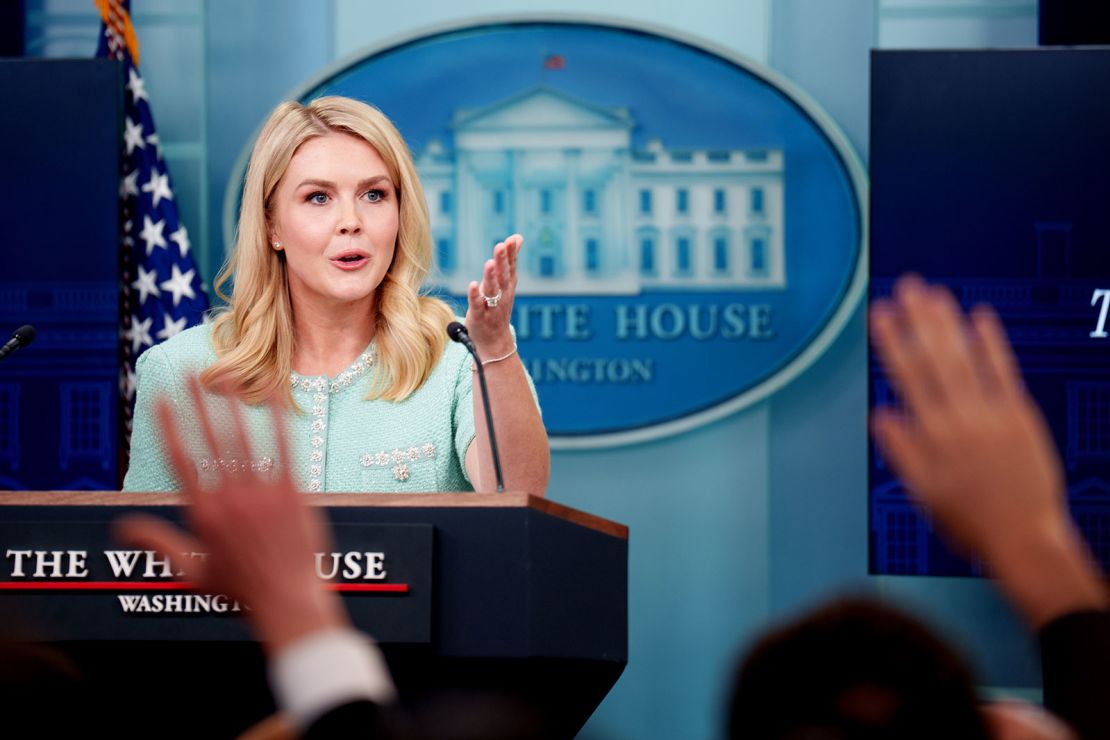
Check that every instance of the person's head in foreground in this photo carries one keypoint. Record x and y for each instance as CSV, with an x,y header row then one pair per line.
x,y
857,669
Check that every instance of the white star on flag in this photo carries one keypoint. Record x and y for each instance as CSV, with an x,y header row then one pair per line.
x,y
133,135
180,284
136,85
145,284
152,234
139,333
153,139
158,187
149,218
129,185
181,236
172,328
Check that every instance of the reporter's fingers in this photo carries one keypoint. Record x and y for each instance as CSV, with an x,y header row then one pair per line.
x,y
240,443
152,533
935,320
899,357
235,447
955,353
900,447
205,422
281,441
179,461
997,355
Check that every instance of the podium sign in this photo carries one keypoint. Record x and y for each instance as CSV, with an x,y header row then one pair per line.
x,y
69,578
493,592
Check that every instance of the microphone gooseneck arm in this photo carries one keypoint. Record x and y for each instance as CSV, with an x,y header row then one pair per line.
x,y
458,333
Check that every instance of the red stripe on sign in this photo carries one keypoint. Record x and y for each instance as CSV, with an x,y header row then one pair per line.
x,y
393,588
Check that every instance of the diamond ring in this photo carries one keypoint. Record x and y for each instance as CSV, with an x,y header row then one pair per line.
x,y
491,300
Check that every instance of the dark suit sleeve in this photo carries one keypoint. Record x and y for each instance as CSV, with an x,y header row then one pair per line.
x,y
1075,660
355,719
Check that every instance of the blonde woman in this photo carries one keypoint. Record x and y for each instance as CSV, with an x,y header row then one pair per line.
x,y
326,315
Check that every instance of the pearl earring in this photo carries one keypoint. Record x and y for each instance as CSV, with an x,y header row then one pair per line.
x,y
277,246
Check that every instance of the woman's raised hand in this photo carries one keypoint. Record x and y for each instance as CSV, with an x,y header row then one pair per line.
x,y
490,302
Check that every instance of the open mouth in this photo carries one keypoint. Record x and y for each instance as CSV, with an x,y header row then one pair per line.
x,y
350,261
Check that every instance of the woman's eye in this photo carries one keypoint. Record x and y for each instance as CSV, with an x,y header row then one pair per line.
x,y
375,195
318,198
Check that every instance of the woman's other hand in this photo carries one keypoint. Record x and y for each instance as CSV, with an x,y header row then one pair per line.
x,y
490,301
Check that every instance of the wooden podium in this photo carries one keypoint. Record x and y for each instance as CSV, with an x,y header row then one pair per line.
x,y
502,592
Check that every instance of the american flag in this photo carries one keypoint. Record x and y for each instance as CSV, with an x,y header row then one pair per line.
x,y
161,291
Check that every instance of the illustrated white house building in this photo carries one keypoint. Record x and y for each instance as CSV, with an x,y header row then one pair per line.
x,y
598,216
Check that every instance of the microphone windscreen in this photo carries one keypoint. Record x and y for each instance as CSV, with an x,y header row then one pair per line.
x,y
25,334
456,331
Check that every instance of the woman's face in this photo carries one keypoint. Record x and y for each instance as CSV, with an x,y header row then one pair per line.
x,y
335,214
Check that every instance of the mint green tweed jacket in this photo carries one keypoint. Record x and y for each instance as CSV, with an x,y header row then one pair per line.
x,y
339,441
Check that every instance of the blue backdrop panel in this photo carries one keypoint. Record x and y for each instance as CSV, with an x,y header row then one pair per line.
x,y
990,173
59,142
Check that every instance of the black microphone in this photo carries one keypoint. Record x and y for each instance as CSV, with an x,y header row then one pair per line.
x,y
21,337
457,332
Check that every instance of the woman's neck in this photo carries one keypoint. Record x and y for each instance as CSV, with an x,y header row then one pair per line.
x,y
327,339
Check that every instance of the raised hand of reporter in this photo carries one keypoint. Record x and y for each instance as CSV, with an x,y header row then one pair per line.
x,y
258,535
974,449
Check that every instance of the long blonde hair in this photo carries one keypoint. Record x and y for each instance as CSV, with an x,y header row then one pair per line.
x,y
254,337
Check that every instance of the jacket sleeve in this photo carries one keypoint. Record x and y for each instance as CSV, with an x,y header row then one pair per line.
x,y
1075,660
149,469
